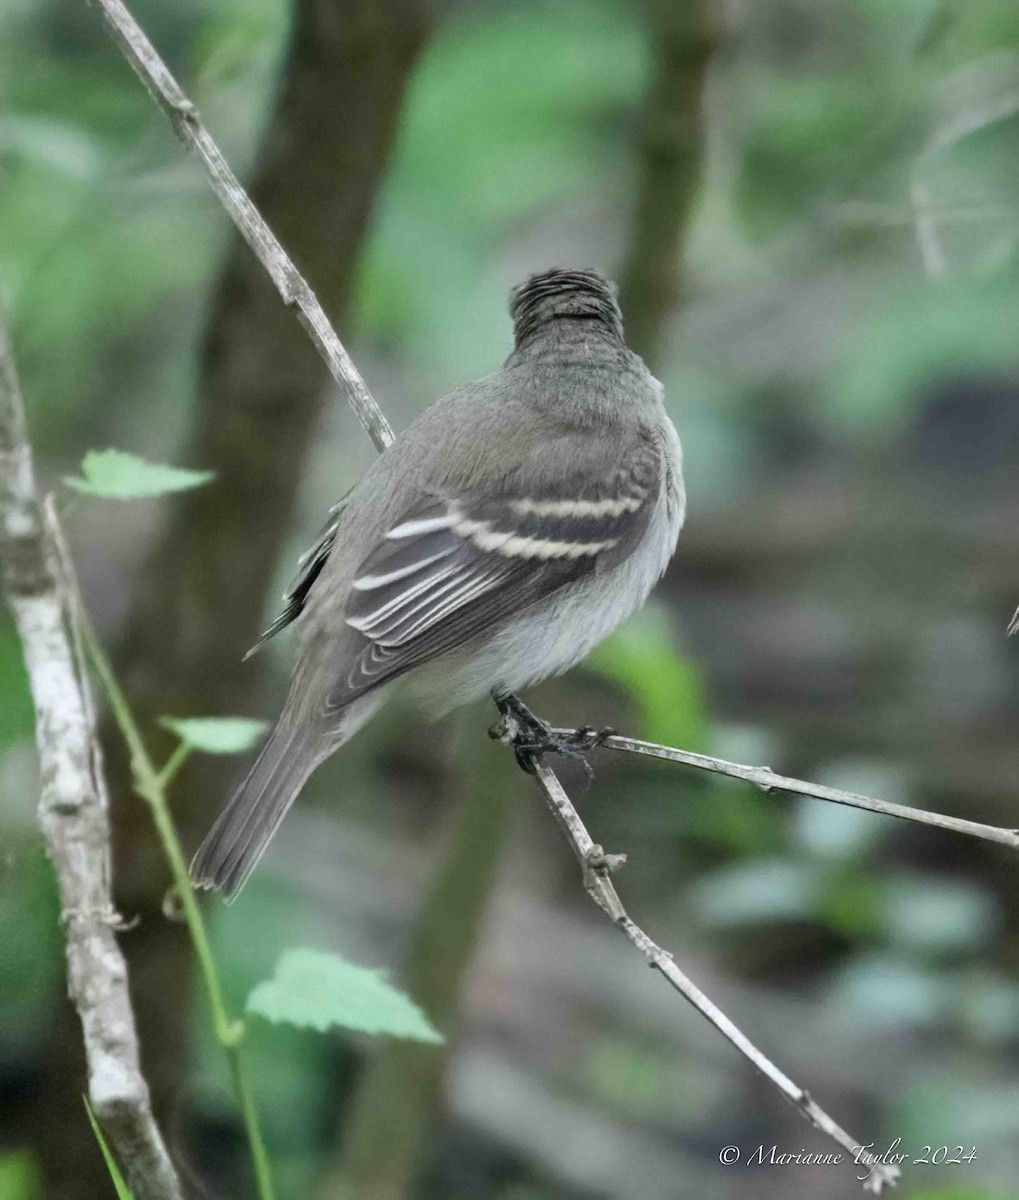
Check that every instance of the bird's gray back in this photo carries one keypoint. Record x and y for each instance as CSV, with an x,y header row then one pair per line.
x,y
514,419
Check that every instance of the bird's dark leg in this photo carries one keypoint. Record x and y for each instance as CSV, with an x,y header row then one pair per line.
x,y
530,736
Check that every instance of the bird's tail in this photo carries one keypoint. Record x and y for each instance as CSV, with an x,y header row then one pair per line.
x,y
243,830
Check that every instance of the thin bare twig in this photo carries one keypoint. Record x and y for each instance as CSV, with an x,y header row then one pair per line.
x,y
73,807
596,867
289,282
766,779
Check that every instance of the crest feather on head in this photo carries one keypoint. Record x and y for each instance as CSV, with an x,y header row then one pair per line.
x,y
562,292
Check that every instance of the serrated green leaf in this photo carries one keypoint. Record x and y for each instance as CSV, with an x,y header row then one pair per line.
x,y
115,475
119,1184
216,735
316,990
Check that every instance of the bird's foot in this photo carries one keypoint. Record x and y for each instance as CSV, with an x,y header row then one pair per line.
x,y
531,737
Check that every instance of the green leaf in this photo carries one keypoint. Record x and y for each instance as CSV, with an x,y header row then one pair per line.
x,y
122,1190
316,990
115,475
216,735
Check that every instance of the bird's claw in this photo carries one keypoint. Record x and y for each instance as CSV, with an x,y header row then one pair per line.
x,y
531,737
587,737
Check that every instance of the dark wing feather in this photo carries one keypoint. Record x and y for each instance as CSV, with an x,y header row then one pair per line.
x,y
309,567
452,568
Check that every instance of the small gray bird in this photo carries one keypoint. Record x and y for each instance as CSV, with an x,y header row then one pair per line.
x,y
517,522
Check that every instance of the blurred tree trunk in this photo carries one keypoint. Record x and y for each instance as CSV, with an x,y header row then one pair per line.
x,y
260,393
682,36
400,1092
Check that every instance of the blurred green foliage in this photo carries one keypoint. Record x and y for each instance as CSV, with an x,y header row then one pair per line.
x,y
515,112
19,1176
643,658
855,245
16,715
31,945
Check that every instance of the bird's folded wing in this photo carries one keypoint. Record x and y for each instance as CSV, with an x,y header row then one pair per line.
x,y
454,567
309,567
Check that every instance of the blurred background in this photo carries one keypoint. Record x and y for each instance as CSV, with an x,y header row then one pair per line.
x,y
812,210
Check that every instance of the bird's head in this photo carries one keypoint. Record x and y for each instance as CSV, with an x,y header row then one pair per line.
x,y
564,294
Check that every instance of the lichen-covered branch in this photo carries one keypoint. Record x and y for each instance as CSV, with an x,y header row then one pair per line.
x,y
73,810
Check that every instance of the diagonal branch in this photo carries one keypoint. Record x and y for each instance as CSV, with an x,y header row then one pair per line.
x,y
597,867
766,779
73,807
289,282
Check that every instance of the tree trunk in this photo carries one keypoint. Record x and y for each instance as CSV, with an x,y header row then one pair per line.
x,y
402,1088
671,157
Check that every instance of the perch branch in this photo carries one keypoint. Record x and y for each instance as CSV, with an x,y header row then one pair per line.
x,y
291,285
596,867
766,779
73,808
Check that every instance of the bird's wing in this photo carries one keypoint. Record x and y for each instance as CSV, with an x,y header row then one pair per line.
x,y
309,567
453,567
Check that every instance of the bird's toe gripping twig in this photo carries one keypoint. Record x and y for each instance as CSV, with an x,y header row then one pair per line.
x,y
530,736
